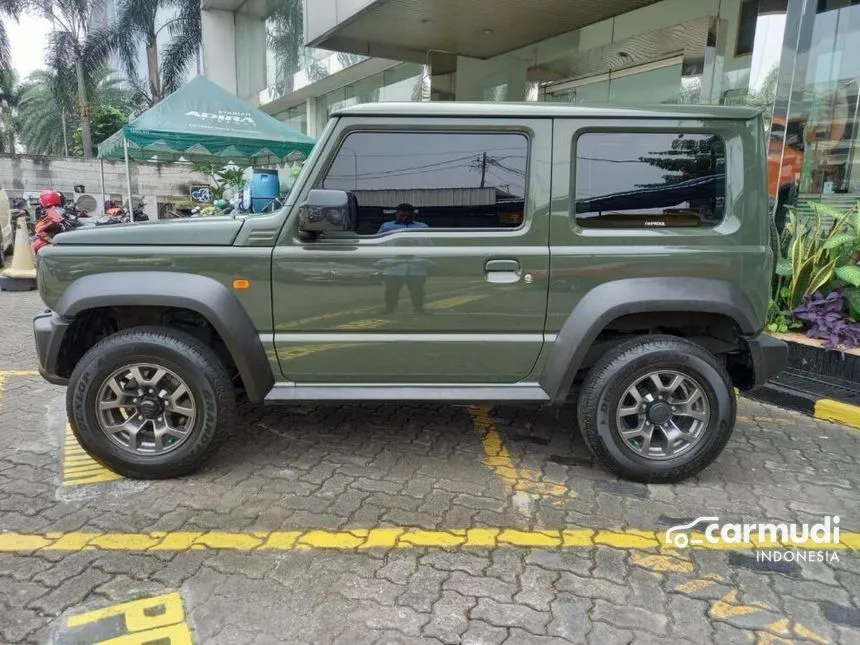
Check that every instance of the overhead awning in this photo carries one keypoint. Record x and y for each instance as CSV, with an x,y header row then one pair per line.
x,y
408,29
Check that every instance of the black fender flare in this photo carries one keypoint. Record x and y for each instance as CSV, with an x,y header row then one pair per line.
x,y
201,294
610,300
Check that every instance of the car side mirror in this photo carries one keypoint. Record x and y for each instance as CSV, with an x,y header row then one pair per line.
x,y
326,211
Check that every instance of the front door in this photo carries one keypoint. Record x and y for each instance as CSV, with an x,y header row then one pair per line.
x,y
439,283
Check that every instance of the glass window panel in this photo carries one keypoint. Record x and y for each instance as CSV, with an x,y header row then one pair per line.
x,y
453,180
649,179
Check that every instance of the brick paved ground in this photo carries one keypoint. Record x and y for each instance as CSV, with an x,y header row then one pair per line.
x,y
430,467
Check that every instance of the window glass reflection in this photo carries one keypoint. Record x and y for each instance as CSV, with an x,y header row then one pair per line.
x,y
452,180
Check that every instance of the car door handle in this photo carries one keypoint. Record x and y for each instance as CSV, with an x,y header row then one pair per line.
x,y
502,271
510,266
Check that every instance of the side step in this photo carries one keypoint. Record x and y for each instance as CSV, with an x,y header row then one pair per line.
x,y
518,393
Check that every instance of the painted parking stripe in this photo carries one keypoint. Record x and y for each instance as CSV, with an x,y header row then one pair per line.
x,y
496,456
837,411
5,375
393,537
79,468
159,619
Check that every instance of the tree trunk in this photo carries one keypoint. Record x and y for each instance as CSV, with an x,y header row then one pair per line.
x,y
152,65
84,111
10,131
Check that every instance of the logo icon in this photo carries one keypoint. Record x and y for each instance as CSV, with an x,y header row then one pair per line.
x,y
677,536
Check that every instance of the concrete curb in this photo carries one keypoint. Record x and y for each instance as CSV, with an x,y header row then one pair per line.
x,y
808,403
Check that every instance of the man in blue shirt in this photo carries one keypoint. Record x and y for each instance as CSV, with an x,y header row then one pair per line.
x,y
409,271
403,219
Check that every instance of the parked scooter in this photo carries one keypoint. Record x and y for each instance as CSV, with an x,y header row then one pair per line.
x,y
118,215
20,208
55,219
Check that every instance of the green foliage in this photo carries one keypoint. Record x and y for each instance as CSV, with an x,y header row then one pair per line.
x,y
10,99
136,25
45,110
285,38
220,177
852,297
780,321
849,273
8,9
819,256
106,121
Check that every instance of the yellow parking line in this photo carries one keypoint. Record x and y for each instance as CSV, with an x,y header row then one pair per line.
x,y
838,411
5,375
160,619
79,468
390,537
497,457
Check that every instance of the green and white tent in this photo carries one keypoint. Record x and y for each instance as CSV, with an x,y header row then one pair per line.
x,y
202,122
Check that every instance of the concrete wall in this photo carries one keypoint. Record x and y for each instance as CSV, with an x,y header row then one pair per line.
x,y
152,182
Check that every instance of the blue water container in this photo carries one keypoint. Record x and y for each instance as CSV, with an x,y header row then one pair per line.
x,y
265,188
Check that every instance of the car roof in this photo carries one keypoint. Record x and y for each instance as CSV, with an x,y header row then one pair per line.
x,y
548,110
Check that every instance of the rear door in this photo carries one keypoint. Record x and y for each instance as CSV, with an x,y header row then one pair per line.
x,y
453,301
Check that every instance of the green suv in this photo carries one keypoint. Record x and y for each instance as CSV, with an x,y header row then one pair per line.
x,y
440,252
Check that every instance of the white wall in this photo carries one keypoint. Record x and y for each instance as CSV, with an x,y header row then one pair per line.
x,y
21,174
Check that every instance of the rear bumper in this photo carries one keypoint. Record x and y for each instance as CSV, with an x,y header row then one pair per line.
x,y
769,357
50,329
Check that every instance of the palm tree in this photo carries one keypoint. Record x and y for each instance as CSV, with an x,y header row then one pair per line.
x,y
46,109
44,113
8,9
75,51
136,23
10,98
186,32
285,37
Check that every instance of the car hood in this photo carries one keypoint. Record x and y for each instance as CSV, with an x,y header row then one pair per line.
x,y
194,231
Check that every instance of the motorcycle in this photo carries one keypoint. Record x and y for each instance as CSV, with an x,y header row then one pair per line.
x,y
19,208
55,220
119,215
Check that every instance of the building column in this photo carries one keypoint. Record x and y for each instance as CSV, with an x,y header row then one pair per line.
x,y
250,56
443,76
312,118
234,51
219,47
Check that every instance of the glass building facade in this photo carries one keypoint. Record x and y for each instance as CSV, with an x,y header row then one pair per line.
x,y
798,60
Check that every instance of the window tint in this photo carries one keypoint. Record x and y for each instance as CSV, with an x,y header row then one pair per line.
x,y
653,179
453,180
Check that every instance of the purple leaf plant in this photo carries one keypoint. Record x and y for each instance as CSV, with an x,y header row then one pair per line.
x,y
826,319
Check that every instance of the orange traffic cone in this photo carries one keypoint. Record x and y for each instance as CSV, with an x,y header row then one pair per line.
x,y
21,275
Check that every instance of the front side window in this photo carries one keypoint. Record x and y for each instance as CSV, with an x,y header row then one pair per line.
x,y
437,180
649,180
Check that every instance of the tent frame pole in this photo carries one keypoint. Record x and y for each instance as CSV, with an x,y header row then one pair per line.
x,y
127,174
102,173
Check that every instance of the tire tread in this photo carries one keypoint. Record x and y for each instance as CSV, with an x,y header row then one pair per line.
x,y
607,366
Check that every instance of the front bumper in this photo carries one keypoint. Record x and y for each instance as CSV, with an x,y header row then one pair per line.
x,y
50,329
769,357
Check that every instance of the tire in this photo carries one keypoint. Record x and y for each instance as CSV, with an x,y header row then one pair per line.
x,y
187,361
606,387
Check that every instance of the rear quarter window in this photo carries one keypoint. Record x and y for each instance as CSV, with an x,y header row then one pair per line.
x,y
635,180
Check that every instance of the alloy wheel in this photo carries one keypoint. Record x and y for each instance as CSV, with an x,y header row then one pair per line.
x,y
662,414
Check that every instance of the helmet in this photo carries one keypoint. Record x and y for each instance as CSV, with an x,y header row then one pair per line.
x,y
220,203
49,198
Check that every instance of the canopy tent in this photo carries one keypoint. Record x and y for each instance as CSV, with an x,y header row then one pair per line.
x,y
202,122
